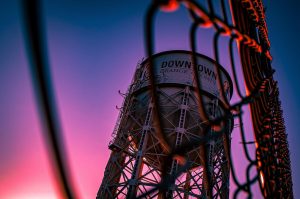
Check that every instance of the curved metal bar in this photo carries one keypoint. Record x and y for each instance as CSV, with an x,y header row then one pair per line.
x,y
149,43
41,79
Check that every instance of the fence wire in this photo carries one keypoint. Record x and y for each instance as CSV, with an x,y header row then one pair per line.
x,y
251,35
249,32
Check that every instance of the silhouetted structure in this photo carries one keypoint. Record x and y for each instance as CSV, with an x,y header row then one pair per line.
x,y
140,158
148,142
171,154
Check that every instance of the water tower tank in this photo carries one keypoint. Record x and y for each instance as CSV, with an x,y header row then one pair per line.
x,y
178,104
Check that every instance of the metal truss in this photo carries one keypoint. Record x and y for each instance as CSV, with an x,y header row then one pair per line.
x,y
137,160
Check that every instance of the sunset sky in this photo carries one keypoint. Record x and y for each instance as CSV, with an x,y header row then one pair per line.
x,y
93,48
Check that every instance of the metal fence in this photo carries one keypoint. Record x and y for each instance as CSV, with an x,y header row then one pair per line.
x,y
249,32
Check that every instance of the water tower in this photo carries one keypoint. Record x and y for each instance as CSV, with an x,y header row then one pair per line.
x,y
139,159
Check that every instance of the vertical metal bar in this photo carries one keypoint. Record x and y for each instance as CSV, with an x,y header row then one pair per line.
x,y
179,134
138,165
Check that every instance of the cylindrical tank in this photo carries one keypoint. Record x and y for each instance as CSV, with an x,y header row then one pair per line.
x,y
178,104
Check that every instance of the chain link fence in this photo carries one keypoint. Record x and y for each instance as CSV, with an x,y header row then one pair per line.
x,y
249,32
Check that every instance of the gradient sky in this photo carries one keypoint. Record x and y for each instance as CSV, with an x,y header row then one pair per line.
x,y
93,49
